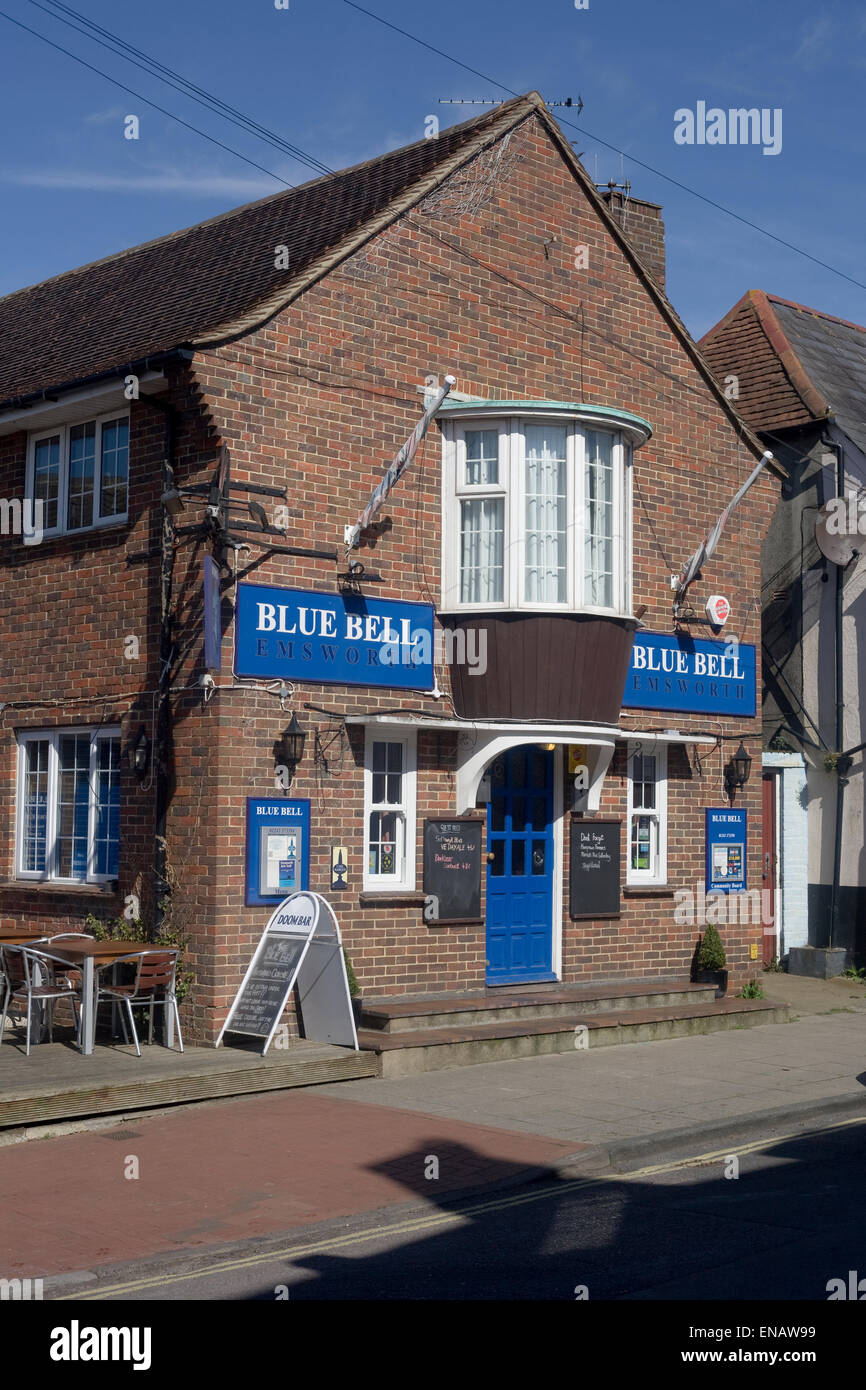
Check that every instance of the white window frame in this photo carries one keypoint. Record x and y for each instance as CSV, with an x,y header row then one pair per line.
x,y
658,872
406,811
63,431
52,738
512,486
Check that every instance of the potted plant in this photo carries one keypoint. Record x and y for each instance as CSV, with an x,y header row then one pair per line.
x,y
711,961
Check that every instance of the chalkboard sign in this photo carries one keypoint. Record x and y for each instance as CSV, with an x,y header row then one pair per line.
x,y
264,992
452,869
595,867
301,946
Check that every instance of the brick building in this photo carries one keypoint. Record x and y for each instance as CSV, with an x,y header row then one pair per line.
x,y
582,455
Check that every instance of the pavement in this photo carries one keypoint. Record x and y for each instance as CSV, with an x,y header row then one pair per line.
x,y
197,1177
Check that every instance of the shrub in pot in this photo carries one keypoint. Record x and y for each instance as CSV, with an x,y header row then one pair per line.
x,y
711,961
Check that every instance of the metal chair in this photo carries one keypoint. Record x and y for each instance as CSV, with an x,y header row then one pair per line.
x,y
155,971
29,976
74,970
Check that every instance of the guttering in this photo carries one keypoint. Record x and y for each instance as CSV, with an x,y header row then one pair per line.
x,y
149,363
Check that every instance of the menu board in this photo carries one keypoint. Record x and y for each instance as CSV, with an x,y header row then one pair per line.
x,y
595,868
452,868
263,994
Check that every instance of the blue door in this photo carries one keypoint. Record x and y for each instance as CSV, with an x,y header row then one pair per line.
x,y
520,867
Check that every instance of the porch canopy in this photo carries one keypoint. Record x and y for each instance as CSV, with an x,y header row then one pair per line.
x,y
480,741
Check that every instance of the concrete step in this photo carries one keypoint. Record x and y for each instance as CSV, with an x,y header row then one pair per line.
x,y
561,1001
410,1052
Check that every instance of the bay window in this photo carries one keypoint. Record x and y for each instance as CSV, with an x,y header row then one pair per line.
x,y
537,512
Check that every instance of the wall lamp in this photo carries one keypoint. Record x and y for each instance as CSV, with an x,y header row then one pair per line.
x,y
737,771
289,748
138,753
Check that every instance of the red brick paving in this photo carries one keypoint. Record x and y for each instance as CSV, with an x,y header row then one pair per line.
x,y
221,1172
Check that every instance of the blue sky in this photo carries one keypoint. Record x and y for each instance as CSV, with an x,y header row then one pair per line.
x,y
344,88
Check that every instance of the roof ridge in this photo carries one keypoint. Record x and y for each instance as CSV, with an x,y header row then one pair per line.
x,y
530,100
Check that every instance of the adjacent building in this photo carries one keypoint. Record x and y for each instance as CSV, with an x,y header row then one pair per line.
x,y
479,732
799,377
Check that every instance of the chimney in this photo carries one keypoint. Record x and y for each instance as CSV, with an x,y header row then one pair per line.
x,y
642,223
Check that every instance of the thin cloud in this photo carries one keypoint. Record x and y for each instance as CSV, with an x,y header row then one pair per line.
x,y
817,42
215,185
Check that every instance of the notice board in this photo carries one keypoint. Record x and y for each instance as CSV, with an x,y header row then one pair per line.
x,y
452,868
594,886
727,843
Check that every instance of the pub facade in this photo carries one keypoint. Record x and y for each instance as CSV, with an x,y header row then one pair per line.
x,y
474,722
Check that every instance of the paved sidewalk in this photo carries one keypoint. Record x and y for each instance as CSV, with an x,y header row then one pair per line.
x,y
614,1093
231,1170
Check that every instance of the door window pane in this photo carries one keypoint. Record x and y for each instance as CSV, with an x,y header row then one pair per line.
x,y
538,856
545,568
518,858
482,548
497,864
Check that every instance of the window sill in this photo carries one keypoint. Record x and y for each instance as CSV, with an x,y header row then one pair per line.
x,y
406,897
647,890
33,885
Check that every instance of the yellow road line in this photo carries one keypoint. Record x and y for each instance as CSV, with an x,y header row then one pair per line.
x,y
441,1218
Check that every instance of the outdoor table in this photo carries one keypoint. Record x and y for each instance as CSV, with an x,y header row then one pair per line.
x,y
86,955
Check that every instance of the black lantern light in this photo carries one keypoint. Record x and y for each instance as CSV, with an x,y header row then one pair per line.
x,y
738,769
138,754
289,749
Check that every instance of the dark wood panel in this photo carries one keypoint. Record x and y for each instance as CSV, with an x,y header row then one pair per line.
x,y
542,666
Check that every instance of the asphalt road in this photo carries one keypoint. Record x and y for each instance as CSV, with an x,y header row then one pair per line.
x,y
792,1220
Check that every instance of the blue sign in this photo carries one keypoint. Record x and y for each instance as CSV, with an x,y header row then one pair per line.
x,y
726,850
679,672
299,634
278,849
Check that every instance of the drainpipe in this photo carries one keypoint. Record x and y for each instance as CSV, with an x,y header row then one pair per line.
x,y
162,736
838,745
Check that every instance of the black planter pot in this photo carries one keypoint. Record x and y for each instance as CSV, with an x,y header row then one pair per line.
x,y
719,978
357,1008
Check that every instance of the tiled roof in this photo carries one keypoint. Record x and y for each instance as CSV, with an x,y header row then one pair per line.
x,y
794,365
208,280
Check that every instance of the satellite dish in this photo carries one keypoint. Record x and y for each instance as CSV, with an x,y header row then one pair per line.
x,y
835,545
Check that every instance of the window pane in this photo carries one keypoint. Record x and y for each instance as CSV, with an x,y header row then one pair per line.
x,y
114,474
598,541
73,805
482,537
82,460
35,806
518,858
383,843
545,573
482,456
538,856
46,480
107,806
641,842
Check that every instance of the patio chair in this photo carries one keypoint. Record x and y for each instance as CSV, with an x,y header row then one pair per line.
x,y
71,973
29,976
154,977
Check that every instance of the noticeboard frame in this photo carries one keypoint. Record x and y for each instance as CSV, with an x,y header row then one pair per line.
x,y
576,818
453,820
